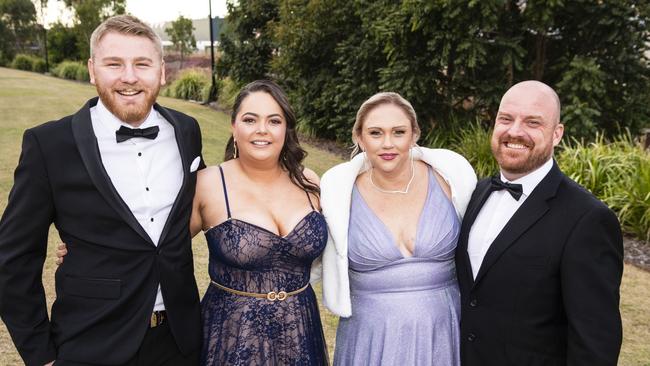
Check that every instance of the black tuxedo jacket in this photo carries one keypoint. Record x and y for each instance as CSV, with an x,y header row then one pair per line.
x,y
547,292
106,287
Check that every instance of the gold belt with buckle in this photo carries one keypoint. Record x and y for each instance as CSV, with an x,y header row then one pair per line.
x,y
157,318
271,296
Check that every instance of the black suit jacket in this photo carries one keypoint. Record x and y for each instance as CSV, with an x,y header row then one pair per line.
x,y
547,292
106,287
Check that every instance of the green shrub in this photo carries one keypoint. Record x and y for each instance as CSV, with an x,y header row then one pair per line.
x,y
591,165
38,65
618,173
166,91
227,92
630,197
473,142
22,62
68,70
190,85
205,92
82,73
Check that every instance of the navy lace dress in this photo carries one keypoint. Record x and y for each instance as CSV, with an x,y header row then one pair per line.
x,y
243,330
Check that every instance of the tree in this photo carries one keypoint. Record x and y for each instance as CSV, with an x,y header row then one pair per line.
x,y
451,59
182,37
248,41
88,15
62,43
18,17
6,44
327,62
595,59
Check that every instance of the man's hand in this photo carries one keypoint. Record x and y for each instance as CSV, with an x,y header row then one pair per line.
x,y
61,251
49,364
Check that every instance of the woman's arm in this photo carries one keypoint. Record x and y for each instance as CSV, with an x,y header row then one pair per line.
x,y
196,219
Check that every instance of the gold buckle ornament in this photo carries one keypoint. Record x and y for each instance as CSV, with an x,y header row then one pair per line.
x,y
280,296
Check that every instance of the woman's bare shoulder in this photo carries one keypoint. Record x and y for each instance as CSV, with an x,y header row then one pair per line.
x,y
311,176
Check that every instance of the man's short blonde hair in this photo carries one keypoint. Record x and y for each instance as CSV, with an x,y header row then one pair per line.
x,y
128,25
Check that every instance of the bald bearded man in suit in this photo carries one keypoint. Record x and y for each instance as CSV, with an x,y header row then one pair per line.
x,y
539,258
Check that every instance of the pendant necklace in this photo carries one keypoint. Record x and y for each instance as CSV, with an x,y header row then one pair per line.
x,y
408,185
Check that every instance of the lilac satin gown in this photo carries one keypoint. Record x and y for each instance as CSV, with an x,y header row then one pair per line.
x,y
405,311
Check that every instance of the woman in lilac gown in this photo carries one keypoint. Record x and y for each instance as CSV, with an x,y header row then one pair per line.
x,y
394,215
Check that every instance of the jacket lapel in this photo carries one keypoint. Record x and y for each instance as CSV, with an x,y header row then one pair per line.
x,y
530,212
480,196
86,141
180,141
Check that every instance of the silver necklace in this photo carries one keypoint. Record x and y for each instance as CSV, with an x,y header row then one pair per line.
x,y
408,185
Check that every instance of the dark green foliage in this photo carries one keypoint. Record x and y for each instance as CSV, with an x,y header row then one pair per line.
x,y
22,62
452,59
7,51
17,27
247,41
326,64
600,46
62,44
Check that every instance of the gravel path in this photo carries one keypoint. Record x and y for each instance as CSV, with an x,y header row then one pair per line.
x,y
637,252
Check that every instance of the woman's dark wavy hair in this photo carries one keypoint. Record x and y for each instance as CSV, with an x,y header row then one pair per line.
x,y
292,154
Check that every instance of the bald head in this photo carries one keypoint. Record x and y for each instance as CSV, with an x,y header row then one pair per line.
x,y
543,95
526,129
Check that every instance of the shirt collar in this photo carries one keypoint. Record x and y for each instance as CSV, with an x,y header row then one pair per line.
x,y
112,123
531,180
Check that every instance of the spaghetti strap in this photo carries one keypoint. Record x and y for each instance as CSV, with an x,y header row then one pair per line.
x,y
225,191
309,199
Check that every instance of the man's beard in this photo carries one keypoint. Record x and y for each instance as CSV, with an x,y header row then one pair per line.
x,y
534,160
133,113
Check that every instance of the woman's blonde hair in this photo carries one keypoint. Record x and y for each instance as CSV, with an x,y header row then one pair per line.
x,y
375,101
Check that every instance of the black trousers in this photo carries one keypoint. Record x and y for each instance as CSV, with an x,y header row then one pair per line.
x,y
157,349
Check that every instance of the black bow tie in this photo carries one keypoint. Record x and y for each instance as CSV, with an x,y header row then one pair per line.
x,y
125,133
515,190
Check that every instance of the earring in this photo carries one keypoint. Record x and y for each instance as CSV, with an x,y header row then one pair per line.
x,y
366,162
234,148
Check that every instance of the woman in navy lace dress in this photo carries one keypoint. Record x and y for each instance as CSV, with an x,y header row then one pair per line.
x,y
260,214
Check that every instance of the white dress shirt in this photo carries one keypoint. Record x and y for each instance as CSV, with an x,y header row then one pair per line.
x,y
496,212
147,174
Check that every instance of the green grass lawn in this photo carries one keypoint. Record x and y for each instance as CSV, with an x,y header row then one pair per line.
x,y
28,99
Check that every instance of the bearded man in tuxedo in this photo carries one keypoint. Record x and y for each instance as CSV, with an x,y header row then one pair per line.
x,y
539,258
117,180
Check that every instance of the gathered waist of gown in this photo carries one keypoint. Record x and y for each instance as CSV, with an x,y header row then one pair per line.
x,y
407,275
